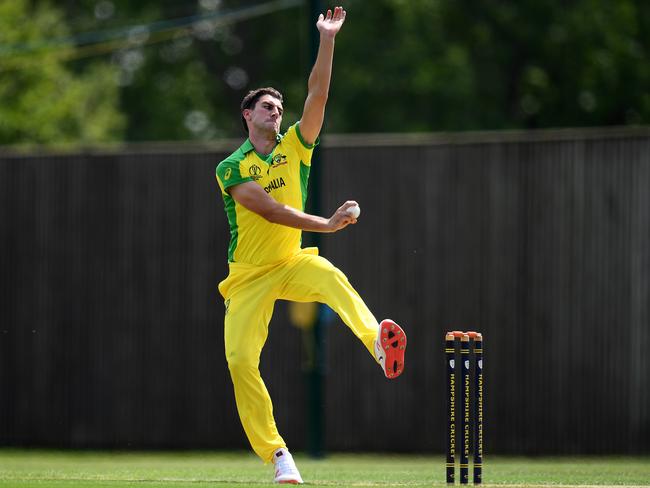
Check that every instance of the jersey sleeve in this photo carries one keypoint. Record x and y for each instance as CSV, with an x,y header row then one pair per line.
x,y
294,137
228,174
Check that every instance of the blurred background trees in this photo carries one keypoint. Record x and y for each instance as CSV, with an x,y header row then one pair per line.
x,y
112,70
42,99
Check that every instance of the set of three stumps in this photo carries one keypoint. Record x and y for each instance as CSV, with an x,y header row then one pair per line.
x,y
470,346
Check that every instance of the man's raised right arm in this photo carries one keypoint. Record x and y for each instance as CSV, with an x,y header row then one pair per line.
x,y
254,198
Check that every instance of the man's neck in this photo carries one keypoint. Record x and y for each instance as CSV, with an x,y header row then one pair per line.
x,y
263,143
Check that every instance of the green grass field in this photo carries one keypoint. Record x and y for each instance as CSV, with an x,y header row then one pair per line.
x,y
92,469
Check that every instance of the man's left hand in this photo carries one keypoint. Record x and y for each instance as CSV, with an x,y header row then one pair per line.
x,y
329,25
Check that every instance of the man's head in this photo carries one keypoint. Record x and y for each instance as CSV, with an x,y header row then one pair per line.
x,y
262,108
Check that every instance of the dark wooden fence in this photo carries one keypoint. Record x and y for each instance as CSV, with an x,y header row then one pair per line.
x,y
111,324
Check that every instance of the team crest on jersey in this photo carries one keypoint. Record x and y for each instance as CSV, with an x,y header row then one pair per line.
x,y
255,172
279,160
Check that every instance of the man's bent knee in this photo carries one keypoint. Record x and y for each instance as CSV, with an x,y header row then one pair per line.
x,y
242,363
335,279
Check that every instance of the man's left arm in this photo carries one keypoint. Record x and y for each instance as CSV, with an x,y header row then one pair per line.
x,y
319,80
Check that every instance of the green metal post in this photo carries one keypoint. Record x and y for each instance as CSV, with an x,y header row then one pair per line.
x,y
315,370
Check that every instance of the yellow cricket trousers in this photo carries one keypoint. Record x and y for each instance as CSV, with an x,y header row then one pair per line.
x,y
250,293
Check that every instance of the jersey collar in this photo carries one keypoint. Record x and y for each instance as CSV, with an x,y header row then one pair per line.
x,y
247,146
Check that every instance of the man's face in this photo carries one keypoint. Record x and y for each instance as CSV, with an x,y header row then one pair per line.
x,y
265,116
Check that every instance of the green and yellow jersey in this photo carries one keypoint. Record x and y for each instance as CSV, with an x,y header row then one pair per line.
x,y
283,174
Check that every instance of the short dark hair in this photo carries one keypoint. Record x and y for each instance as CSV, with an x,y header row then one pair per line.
x,y
253,96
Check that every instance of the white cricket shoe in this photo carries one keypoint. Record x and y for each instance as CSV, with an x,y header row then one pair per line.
x,y
390,347
285,468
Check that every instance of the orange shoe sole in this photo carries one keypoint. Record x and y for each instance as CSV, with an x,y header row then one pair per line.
x,y
393,343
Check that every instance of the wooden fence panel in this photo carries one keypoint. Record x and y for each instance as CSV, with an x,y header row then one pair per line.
x,y
111,324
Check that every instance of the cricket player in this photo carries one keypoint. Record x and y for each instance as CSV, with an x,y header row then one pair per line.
x,y
264,188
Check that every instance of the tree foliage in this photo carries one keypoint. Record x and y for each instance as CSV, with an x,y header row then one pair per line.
x,y
41,99
400,65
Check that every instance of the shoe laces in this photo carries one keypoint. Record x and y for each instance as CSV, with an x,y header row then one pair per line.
x,y
379,355
284,464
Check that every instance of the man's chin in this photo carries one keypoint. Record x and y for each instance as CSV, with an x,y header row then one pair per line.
x,y
268,131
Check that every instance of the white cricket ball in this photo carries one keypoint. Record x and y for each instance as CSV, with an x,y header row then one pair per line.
x,y
354,211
